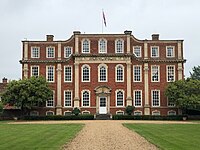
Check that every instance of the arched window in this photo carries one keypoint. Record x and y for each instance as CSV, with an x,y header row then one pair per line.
x,y
102,73
119,46
119,98
102,46
85,98
85,73
119,73
85,46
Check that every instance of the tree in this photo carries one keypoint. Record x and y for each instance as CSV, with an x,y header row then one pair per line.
x,y
76,111
1,108
184,93
195,74
129,109
26,93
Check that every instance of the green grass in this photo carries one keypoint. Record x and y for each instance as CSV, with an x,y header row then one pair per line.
x,y
170,136
36,136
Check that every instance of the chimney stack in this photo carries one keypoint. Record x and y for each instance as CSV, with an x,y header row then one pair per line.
x,y
50,38
155,37
5,80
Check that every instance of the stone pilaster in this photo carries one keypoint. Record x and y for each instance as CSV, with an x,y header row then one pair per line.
x,y
180,71
76,98
145,50
179,50
59,51
25,50
76,35
146,90
25,69
59,105
129,98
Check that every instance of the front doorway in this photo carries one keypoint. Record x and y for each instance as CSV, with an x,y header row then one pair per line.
x,y
102,105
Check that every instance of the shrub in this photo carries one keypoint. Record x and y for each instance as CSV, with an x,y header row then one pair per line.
x,y
129,110
59,117
146,117
76,111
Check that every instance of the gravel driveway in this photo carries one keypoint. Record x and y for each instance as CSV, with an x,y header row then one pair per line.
x,y
108,135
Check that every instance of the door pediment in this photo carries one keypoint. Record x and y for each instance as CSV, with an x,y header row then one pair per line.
x,y
102,90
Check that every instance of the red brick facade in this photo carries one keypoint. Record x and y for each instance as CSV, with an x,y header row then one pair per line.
x,y
110,59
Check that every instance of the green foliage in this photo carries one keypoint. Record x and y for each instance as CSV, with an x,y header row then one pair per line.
x,y
27,93
169,136
54,117
195,74
129,110
1,108
147,117
76,111
37,136
184,93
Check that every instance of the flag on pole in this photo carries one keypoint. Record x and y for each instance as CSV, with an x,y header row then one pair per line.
x,y
104,19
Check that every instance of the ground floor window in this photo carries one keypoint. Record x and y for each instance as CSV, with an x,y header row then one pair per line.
x,y
49,113
171,113
67,113
85,98
120,112
137,113
120,98
34,113
156,113
68,98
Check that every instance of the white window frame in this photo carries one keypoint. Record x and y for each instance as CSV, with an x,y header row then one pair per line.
x,y
152,73
85,112
68,66
154,113
66,48
137,111
99,67
135,99
116,46
47,77
134,73
65,97
140,51
152,51
173,51
38,48
67,112
47,52
100,47
51,112
119,111
170,105
53,96
152,91
168,113
82,97
38,73
119,90
82,45
116,75
167,74
82,76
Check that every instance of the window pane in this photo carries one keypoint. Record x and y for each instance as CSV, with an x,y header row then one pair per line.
x,y
120,74
68,74
86,98
50,102
85,46
156,98
35,71
35,52
86,73
103,74
68,98
138,98
119,46
154,51
155,73
137,73
102,46
170,51
68,51
50,73
137,51
50,52
120,98
170,73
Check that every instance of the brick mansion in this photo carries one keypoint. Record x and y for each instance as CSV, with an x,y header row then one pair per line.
x,y
104,73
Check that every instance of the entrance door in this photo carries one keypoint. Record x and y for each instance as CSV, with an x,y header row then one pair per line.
x,y
102,105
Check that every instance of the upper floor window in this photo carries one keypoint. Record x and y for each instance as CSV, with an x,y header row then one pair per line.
x,y
35,52
85,73
50,52
170,103
154,51
137,51
137,74
155,97
35,71
50,73
120,98
67,98
85,46
85,98
170,73
137,98
119,46
119,73
102,46
155,73
68,73
50,102
102,69
67,51
170,51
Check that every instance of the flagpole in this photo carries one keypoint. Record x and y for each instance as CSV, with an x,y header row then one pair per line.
x,y
102,21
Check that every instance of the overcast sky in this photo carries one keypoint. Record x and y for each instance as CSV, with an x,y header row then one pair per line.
x,y
34,19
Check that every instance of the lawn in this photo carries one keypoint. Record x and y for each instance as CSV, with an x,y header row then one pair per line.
x,y
36,136
170,136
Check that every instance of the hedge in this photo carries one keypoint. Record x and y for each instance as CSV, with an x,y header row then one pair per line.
x,y
59,117
147,117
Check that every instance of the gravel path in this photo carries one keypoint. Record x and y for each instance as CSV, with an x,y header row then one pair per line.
x,y
108,135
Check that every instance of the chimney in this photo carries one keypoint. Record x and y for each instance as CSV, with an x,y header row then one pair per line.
x,y
127,32
155,37
5,80
77,32
50,38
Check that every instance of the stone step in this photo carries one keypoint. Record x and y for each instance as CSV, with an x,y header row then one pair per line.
x,y
103,117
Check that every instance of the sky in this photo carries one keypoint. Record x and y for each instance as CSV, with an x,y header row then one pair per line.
x,y
34,19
